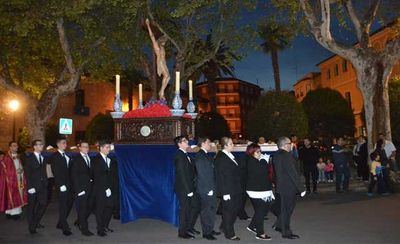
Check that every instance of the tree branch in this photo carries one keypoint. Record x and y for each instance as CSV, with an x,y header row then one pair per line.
x,y
371,13
65,46
348,4
321,30
160,28
392,50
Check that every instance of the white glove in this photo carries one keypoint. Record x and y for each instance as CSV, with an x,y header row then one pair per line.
x,y
226,197
190,194
108,192
63,188
303,194
81,193
210,193
32,191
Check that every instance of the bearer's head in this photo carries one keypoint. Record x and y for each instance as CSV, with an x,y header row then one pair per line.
x,y
227,144
84,147
37,146
181,142
204,143
13,145
104,147
61,143
284,143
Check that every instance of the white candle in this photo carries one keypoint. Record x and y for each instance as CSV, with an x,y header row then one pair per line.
x,y
177,82
190,90
117,81
140,92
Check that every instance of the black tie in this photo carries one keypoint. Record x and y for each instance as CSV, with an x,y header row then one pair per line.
x,y
40,159
87,161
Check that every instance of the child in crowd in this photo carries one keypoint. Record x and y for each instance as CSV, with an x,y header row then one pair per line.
x,y
375,173
321,170
329,170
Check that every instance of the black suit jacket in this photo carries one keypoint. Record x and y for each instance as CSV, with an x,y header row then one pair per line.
x,y
35,173
62,172
287,177
309,157
103,175
205,173
257,175
82,175
229,175
184,174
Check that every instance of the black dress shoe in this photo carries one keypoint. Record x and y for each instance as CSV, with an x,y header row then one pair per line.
x,y
244,218
209,237
264,237
87,233
215,233
234,238
40,226
67,232
193,231
108,229
252,230
186,236
32,232
292,236
117,217
101,233
277,229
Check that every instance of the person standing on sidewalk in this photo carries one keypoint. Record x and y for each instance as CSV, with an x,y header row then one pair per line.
x,y
309,156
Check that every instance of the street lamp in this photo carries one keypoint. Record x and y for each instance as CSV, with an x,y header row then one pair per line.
x,y
14,105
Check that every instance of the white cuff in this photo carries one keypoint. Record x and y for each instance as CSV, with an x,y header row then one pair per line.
x,y
226,197
63,188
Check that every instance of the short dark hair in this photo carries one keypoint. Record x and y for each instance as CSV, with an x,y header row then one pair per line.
x,y
252,148
202,140
82,141
61,138
102,143
374,155
179,139
379,144
11,142
35,141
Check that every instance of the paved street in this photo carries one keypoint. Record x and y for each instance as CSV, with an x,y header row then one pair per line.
x,y
324,218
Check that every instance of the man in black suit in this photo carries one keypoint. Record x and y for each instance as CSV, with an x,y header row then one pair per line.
x,y
288,185
36,182
82,179
103,170
309,155
184,185
61,166
205,187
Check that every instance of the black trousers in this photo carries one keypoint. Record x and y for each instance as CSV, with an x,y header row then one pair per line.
x,y
288,203
37,203
65,205
104,210
230,211
85,208
314,176
195,208
261,208
184,213
208,213
242,212
50,189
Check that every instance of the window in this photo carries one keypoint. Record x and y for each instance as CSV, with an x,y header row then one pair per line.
x,y
336,69
344,65
328,74
230,88
348,97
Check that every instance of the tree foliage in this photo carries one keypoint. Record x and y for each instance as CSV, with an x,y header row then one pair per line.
x,y
329,114
277,114
212,125
100,128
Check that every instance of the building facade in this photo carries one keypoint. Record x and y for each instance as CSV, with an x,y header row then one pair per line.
x,y
339,74
235,99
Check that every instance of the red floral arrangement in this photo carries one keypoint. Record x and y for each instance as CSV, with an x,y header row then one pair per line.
x,y
154,108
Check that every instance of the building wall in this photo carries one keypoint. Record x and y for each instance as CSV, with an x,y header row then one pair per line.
x,y
235,98
339,74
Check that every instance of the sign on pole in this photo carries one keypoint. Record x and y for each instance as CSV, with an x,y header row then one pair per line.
x,y
65,126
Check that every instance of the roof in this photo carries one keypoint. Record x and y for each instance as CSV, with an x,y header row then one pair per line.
x,y
373,33
230,79
308,76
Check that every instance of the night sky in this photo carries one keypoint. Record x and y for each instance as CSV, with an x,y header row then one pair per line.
x,y
295,62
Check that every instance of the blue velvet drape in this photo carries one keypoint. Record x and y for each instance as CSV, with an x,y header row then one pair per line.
x,y
146,175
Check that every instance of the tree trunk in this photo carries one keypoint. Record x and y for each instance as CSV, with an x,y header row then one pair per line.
x,y
373,81
275,67
35,123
